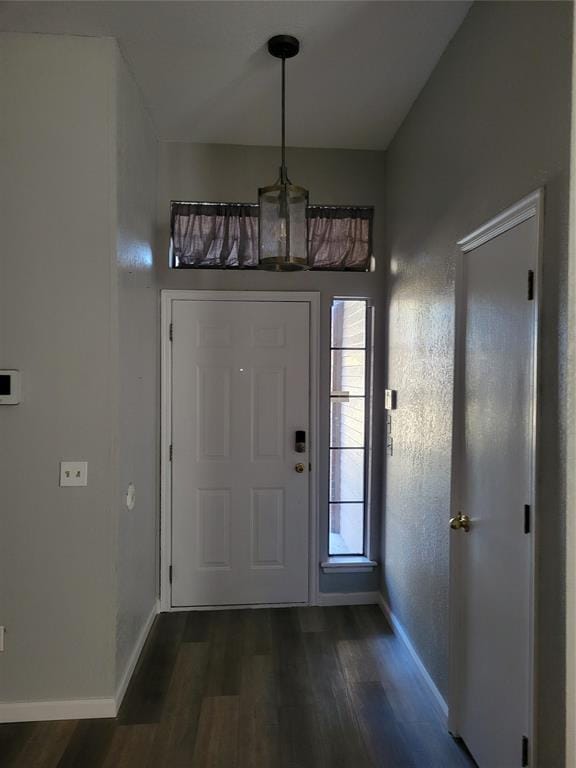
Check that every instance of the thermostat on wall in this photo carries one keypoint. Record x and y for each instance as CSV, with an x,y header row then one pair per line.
x,y
9,387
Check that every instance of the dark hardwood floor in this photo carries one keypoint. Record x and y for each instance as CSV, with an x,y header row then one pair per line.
x,y
269,688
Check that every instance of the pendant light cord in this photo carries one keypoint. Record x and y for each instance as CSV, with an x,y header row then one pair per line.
x,y
283,168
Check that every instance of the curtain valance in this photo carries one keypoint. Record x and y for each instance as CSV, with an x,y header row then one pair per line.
x,y
225,235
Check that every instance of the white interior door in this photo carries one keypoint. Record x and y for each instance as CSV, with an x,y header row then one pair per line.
x,y
496,491
240,508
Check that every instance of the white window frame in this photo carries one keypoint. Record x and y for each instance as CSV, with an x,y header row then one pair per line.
x,y
355,563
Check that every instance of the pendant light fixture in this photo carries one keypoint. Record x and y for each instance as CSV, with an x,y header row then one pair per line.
x,y
282,222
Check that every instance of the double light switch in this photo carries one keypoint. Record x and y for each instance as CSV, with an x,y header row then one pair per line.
x,y
73,473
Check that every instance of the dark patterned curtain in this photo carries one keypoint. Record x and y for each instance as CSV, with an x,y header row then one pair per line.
x,y
221,235
339,238
214,235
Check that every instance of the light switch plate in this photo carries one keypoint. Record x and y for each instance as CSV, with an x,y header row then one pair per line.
x,y
73,473
390,399
10,387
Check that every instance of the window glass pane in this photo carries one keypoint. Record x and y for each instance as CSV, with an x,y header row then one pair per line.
x,y
347,474
348,323
348,371
346,529
347,424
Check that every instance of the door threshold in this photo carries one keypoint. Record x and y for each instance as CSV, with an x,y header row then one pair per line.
x,y
243,607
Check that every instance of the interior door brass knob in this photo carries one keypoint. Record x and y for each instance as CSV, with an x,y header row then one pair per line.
x,y
299,467
460,522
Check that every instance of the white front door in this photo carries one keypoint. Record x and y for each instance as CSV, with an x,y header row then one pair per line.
x,y
496,491
240,507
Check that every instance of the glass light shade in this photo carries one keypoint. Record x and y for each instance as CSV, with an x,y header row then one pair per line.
x,y
283,227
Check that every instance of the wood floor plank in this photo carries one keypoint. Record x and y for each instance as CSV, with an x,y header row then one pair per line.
x,y
89,744
225,654
341,623
339,736
197,628
312,619
144,699
257,681
270,688
258,740
358,661
188,682
292,683
430,745
385,739
173,745
324,671
217,741
371,622
297,730
46,745
175,736
407,693
13,738
256,632
130,746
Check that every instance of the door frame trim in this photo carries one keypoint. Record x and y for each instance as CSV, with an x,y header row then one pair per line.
x,y
530,206
166,298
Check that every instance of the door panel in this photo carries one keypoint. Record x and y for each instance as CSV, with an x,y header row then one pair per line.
x,y
268,527
214,388
240,390
496,482
213,536
268,414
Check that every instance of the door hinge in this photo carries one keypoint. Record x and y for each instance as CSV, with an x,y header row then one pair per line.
x,y
530,285
171,332
525,751
170,574
527,518
170,453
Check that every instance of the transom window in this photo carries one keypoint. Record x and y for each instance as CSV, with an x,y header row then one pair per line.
x,y
349,415
225,236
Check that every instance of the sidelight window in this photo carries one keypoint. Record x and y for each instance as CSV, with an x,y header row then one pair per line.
x,y
349,419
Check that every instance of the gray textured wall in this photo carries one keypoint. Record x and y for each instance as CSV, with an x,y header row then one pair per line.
x,y
492,124
232,173
137,315
79,319
57,545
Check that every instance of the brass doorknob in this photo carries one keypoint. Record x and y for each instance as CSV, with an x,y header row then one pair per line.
x,y
299,467
460,522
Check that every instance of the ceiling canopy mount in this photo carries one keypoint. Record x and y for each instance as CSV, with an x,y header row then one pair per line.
x,y
283,46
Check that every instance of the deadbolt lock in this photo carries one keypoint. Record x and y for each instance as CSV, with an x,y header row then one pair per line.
x,y
460,522
299,467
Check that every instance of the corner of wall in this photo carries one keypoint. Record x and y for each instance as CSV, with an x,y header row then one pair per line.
x,y
136,332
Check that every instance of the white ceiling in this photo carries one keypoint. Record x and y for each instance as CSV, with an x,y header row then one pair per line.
x,y
207,77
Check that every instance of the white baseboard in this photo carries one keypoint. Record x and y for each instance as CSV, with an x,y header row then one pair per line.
x,y
403,635
69,709
348,598
78,709
133,660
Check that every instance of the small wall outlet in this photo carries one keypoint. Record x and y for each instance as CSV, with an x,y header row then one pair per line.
x,y
2,633
73,473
